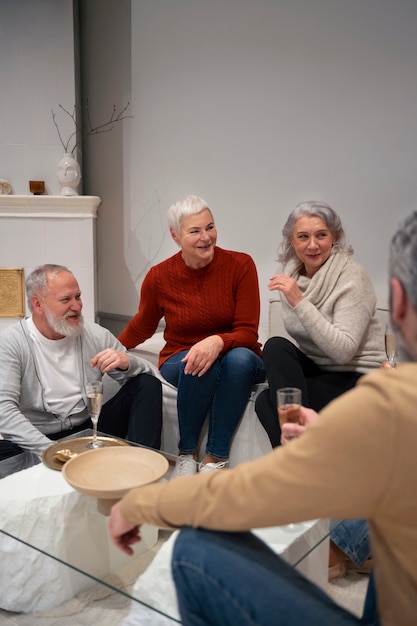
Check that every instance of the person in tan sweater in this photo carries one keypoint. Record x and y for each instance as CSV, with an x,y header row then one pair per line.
x,y
358,460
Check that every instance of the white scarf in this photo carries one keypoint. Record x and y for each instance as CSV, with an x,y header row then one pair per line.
x,y
318,288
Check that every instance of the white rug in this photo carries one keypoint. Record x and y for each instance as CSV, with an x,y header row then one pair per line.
x,y
101,605
97,605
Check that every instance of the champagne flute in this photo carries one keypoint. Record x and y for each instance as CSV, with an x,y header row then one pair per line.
x,y
94,402
289,403
390,346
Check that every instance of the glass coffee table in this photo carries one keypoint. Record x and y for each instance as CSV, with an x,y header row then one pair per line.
x,y
54,544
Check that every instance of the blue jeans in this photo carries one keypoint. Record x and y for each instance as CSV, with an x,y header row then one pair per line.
x,y
222,393
352,537
234,578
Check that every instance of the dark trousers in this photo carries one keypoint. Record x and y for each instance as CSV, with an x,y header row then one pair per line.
x,y
287,366
9,449
135,412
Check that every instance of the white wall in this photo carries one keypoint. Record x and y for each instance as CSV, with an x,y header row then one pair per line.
x,y
258,105
41,229
36,75
253,104
106,78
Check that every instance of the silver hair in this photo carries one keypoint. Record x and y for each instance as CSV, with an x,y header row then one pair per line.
x,y
188,205
403,257
312,208
37,281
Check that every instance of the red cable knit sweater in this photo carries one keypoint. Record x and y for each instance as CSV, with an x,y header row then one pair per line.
x,y
219,299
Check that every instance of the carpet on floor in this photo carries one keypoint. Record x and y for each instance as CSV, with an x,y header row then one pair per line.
x,y
103,605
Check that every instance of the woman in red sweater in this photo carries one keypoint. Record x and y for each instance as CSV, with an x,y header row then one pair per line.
x,y
209,298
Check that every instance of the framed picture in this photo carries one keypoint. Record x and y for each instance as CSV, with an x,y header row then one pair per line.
x,y
12,292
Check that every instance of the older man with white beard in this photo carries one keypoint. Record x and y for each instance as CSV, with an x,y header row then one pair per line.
x,y
46,361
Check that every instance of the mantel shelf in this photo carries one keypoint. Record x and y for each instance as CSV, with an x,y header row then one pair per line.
x,y
62,207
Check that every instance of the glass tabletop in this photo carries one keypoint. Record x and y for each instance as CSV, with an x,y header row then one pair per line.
x,y
54,538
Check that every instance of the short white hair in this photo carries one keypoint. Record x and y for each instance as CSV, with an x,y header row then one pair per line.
x,y
188,205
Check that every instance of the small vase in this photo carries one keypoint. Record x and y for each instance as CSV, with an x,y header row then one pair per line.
x,y
69,175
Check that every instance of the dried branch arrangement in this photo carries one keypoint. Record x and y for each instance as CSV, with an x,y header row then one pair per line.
x,y
80,132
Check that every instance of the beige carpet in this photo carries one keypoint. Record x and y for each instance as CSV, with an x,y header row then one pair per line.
x,y
350,592
101,605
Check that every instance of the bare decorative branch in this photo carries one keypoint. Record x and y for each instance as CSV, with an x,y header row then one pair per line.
x,y
81,133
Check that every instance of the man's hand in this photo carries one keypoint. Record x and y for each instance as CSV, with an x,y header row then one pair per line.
x,y
202,355
122,534
292,431
110,359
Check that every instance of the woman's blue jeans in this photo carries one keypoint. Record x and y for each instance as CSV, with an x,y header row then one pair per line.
x,y
225,578
352,537
221,393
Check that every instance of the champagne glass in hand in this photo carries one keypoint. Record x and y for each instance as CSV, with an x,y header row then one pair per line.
x,y
94,402
390,346
288,403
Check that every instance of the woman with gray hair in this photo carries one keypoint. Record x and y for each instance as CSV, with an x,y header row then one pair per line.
x,y
209,298
328,308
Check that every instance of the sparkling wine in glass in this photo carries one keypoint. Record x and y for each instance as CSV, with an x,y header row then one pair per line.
x,y
94,402
289,404
390,346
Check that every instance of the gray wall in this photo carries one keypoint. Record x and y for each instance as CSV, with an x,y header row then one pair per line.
x,y
255,105
37,74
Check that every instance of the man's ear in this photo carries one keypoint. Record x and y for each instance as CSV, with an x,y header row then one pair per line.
x,y
36,303
399,300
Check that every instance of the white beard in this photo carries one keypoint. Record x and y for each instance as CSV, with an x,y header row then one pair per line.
x,y
62,327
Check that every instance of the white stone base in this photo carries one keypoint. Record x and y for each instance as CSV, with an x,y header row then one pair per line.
x,y
38,506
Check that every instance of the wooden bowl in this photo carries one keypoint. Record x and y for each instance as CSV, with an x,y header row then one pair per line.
x,y
108,473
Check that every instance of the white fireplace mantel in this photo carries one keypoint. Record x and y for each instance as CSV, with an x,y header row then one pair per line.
x,y
37,207
51,229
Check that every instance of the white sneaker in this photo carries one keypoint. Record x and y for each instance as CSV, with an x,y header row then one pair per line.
x,y
185,466
212,467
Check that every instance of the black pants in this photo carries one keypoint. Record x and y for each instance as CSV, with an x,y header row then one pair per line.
x,y
134,412
287,366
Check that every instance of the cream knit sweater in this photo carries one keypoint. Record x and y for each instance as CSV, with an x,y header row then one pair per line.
x,y
336,323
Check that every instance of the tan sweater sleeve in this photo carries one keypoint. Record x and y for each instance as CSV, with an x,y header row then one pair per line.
x,y
320,475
